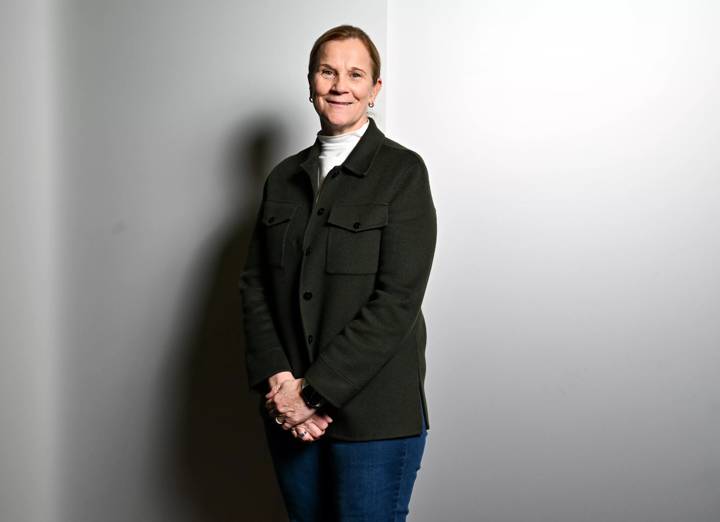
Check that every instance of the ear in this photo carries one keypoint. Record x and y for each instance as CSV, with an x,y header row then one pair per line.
x,y
376,88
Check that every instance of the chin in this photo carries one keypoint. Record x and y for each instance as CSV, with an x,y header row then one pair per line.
x,y
342,122
335,123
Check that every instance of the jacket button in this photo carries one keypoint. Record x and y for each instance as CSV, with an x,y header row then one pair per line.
x,y
307,296
320,211
310,338
271,219
356,225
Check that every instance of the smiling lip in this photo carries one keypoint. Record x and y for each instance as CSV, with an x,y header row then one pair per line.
x,y
339,103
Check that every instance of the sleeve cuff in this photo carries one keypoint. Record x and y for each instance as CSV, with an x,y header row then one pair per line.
x,y
334,387
262,366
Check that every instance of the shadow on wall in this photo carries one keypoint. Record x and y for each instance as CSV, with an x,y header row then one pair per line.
x,y
222,466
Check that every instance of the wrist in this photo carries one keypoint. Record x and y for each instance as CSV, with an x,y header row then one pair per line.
x,y
279,377
310,395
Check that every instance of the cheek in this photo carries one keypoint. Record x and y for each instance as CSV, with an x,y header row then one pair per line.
x,y
320,86
361,94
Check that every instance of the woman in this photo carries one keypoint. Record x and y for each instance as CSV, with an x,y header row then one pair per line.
x,y
332,292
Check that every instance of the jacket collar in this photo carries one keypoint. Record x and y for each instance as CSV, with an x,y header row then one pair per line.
x,y
360,158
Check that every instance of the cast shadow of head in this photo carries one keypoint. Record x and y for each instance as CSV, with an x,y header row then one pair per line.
x,y
221,464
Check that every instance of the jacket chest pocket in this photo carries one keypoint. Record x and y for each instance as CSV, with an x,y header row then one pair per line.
x,y
276,219
354,236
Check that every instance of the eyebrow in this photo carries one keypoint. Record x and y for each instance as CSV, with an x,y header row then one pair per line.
x,y
333,68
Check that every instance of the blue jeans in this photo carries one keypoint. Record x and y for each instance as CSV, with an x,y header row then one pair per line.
x,y
339,481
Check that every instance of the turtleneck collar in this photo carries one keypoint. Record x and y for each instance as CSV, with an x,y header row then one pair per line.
x,y
335,149
360,159
346,137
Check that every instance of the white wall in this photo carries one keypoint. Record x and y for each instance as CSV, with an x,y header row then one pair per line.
x,y
573,308
573,154
174,112
27,333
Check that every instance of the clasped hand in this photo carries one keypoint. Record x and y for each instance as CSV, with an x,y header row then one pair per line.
x,y
285,403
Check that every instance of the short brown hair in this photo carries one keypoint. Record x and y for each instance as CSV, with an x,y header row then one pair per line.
x,y
344,32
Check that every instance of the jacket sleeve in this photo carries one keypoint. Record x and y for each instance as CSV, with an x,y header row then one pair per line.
x,y
264,354
362,348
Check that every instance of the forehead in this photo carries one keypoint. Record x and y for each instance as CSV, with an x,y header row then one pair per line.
x,y
350,53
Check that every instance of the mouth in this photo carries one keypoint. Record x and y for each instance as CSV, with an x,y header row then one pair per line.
x,y
338,104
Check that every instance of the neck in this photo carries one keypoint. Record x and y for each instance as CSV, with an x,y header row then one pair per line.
x,y
328,130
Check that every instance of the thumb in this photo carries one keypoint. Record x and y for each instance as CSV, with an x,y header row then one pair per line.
x,y
272,391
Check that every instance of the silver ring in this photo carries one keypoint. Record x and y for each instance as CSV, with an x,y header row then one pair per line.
x,y
279,419
302,434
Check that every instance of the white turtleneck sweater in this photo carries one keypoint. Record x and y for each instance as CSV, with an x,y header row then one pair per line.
x,y
335,149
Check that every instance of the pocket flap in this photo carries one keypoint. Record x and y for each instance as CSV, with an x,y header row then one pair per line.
x,y
276,212
357,218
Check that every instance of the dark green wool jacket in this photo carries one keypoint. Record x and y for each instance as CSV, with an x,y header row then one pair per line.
x,y
334,282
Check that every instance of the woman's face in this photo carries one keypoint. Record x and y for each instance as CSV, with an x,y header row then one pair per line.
x,y
342,85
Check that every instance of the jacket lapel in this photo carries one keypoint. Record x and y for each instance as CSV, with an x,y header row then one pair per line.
x,y
357,163
361,157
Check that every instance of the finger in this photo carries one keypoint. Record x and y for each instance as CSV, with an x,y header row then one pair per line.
x,y
272,391
325,417
292,418
302,434
314,430
319,422
270,404
289,424
307,438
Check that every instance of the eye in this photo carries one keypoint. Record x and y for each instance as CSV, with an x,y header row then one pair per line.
x,y
326,72
357,75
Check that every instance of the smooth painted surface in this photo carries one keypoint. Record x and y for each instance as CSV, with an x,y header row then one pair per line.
x,y
573,149
574,160
174,113
27,259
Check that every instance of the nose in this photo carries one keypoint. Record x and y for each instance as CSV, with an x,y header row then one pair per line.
x,y
339,84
